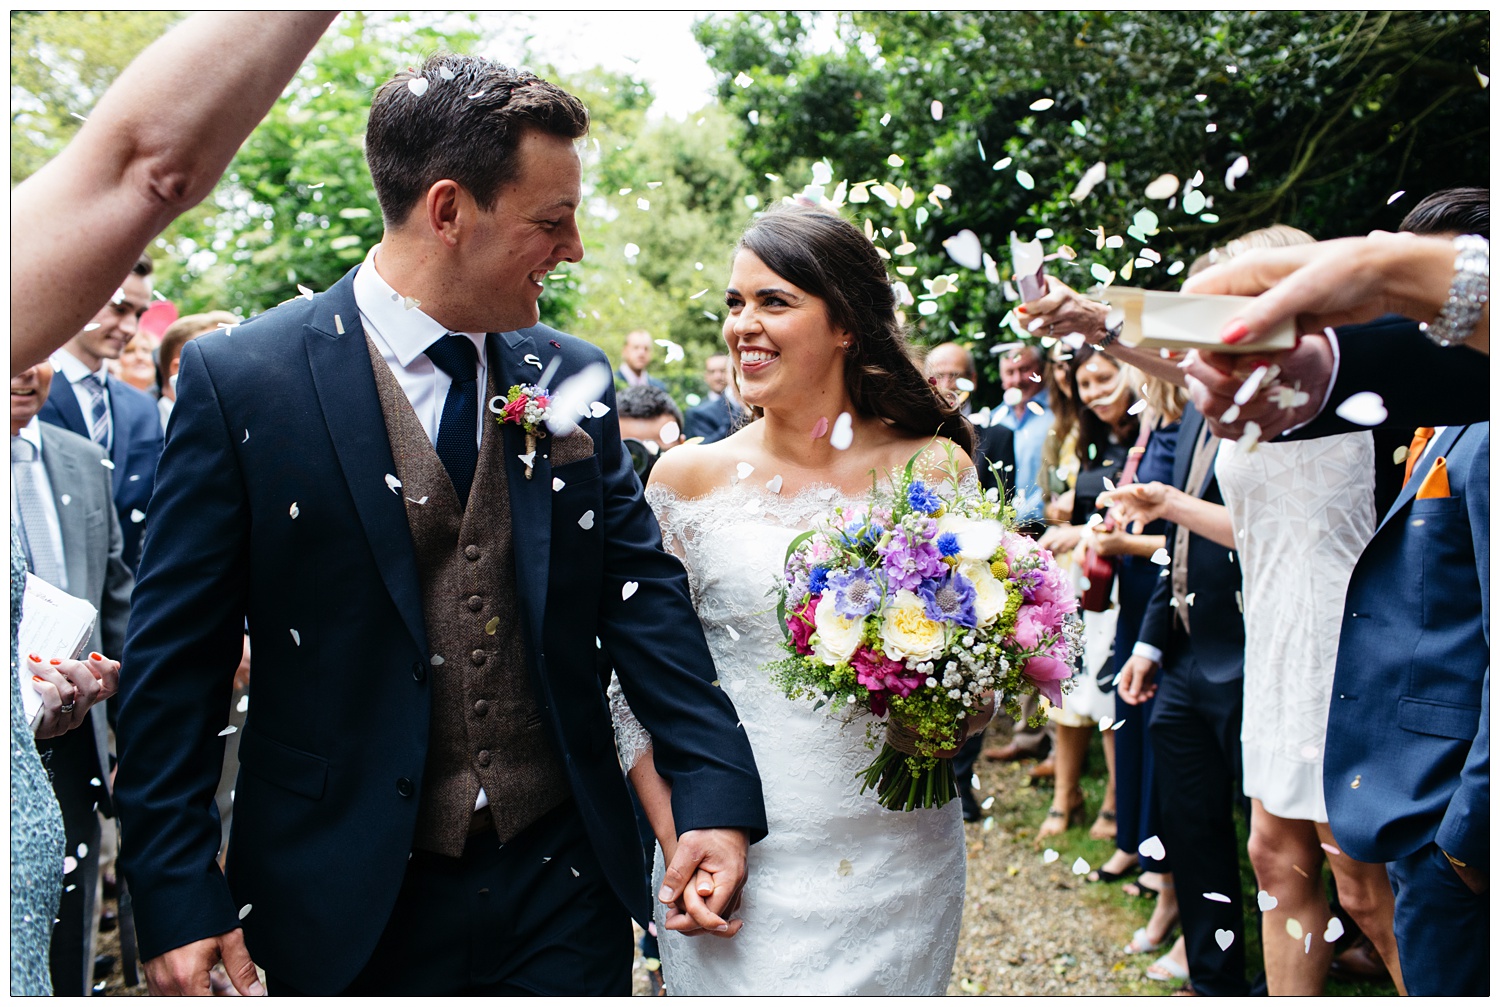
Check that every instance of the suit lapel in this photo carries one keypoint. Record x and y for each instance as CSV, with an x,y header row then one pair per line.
x,y
1439,448
119,449
340,365
1187,439
65,401
66,480
530,499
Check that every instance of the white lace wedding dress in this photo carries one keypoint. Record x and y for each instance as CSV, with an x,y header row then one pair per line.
x,y
843,896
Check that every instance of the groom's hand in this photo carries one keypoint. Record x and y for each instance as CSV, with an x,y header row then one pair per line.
x,y
184,971
713,860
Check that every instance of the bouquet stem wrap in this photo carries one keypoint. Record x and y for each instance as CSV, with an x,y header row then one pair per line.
x,y
903,779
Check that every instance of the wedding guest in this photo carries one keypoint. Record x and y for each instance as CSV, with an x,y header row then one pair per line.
x,y
169,353
635,362
1106,429
717,415
136,365
58,483
154,145
121,420
1026,412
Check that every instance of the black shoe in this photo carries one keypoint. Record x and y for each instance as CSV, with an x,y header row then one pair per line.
x,y
104,967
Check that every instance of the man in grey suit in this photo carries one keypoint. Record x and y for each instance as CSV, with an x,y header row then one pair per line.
x,y
61,490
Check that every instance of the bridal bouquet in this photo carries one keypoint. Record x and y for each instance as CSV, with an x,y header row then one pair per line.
x,y
916,607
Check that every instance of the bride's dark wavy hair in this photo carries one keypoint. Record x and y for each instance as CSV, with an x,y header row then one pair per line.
x,y
829,257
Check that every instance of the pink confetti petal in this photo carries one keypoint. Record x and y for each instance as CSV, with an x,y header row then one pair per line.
x,y
820,428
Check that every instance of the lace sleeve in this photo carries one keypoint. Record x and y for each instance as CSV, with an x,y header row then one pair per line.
x,y
631,739
676,532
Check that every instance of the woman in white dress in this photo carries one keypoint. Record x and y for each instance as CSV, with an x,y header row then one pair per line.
x,y
843,896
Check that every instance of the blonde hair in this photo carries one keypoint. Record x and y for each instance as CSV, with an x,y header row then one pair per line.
x,y
1275,236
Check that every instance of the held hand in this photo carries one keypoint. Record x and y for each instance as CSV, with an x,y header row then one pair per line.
x,y
1063,311
242,673
1292,398
184,971
1061,539
1137,681
712,861
1108,541
1138,504
69,688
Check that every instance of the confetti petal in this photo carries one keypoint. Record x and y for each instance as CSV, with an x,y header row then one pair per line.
x,y
137,516
630,588
845,868
1162,187
228,731
587,521
107,463
1048,856
557,485
1081,866
1215,897
392,482
1331,849
296,638
1335,929
66,498
294,510
1161,557
1366,409
1042,104
1224,938
417,86
774,484
964,249
820,428
743,470
1266,901
843,432
1293,928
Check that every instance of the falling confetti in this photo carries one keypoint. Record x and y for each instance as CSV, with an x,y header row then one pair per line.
x,y
743,80
410,302
630,588
843,432
743,470
69,866
895,161
67,498
1048,856
1081,866
937,112
1251,385
1161,557
845,868
1024,179
1090,178
1335,929
964,249
632,250
820,428
587,521
1366,409
1224,938
1331,849
417,86
137,516
1162,187
1293,928
1266,901
296,638
295,510
557,485
1042,104
1236,171
228,731
243,705
643,204
774,484
1215,897
1395,196
107,463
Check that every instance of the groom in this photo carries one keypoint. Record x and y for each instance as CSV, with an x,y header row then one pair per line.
x,y
430,800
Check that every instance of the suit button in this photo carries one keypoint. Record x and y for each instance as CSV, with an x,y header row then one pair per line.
x,y
404,787
484,757
475,603
418,671
481,707
471,551
478,657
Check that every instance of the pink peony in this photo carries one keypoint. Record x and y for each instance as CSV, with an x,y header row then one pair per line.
x,y
1036,621
800,623
1048,673
879,673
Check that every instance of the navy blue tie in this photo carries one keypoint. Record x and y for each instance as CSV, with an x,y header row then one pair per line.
x,y
456,444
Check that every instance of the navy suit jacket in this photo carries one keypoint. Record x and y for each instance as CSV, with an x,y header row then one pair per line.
x,y
1213,578
711,419
137,446
282,413
996,445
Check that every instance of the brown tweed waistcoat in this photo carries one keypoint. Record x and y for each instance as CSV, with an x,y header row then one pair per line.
x,y
486,729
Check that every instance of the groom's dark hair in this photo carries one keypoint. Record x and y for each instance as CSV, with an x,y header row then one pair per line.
x,y
459,117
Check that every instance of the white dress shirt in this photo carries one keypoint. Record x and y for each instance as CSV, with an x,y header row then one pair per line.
x,y
402,336
31,433
76,370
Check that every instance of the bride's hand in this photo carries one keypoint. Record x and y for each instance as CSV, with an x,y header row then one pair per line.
x,y
977,722
711,860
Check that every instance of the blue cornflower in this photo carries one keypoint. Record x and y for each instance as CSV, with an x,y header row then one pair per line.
x,y
818,581
947,544
921,498
856,593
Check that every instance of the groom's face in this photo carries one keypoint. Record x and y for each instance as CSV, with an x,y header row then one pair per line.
x,y
504,261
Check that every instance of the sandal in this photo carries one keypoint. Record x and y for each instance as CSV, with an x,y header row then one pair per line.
x,y
1140,890
1140,944
1101,876
1069,819
1104,826
1165,969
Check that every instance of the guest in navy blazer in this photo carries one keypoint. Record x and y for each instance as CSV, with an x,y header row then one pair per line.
x,y
128,428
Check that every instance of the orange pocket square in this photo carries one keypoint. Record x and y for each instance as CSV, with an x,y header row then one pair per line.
x,y
1435,483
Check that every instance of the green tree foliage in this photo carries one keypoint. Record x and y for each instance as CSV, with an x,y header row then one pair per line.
x,y
1334,112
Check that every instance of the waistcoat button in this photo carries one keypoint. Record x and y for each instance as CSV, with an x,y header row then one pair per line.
x,y
478,657
475,603
481,707
484,757
471,551
418,671
404,787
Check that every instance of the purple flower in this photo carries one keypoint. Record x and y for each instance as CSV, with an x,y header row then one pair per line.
x,y
910,559
949,600
856,593
921,498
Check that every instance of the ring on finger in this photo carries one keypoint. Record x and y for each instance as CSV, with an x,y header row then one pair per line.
x,y
67,707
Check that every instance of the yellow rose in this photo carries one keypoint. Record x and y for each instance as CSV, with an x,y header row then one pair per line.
x,y
906,632
836,638
989,591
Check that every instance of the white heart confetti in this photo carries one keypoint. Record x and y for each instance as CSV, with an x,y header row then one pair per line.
x,y
964,248
1266,901
774,484
597,409
1153,849
1366,409
743,470
1048,856
557,485
1161,557
137,516
630,588
417,86
244,704
1224,938
587,521
1335,930
296,638
1215,897
843,432
1081,866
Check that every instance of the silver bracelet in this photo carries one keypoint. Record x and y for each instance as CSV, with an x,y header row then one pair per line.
x,y
1111,335
1468,294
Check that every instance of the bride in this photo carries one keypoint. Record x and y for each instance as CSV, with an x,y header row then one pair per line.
x,y
843,896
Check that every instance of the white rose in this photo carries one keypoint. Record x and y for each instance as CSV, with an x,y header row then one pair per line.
x,y
906,631
977,540
989,591
836,638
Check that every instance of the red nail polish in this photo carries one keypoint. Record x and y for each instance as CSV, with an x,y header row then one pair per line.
x,y
1234,331
56,660
37,678
35,658
96,657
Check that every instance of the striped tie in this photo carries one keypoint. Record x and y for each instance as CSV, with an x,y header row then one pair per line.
x,y
41,556
98,410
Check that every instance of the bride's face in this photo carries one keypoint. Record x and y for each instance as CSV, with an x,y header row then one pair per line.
x,y
783,347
